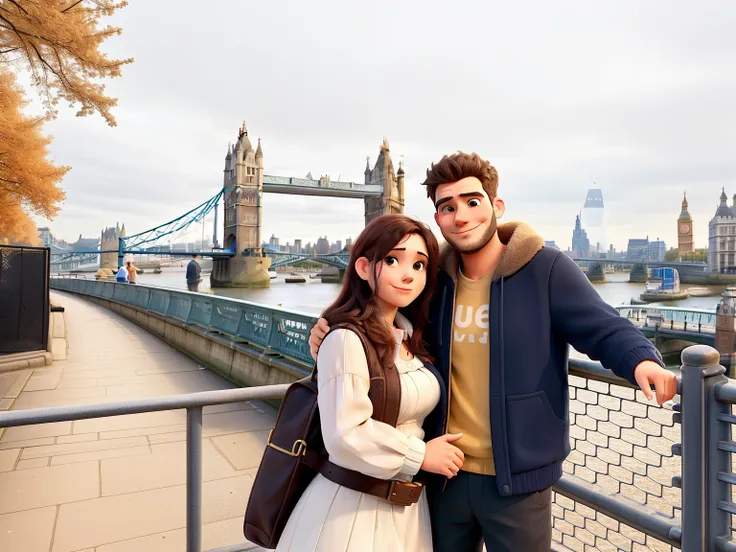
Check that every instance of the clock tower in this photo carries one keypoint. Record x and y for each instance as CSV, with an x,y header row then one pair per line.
x,y
685,242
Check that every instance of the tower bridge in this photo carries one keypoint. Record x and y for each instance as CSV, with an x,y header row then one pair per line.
x,y
244,184
243,261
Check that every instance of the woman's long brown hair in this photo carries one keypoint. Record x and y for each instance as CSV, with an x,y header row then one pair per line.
x,y
356,303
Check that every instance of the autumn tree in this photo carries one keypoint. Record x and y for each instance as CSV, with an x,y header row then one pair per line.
x,y
28,180
58,44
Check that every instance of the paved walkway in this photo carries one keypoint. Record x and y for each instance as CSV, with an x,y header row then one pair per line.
x,y
118,484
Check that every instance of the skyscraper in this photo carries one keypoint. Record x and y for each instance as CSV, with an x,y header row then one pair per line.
x,y
594,222
580,242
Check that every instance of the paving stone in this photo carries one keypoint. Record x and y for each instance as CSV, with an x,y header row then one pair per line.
x,y
167,437
44,379
234,422
155,430
230,407
166,370
164,467
130,421
72,382
28,531
5,404
86,446
35,488
76,438
128,380
26,444
122,517
8,459
27,433
139,391
243,450
21,379
214,535
99,455
59,397
34,463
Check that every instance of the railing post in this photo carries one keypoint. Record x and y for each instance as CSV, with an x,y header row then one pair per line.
x,y
700,433
194,479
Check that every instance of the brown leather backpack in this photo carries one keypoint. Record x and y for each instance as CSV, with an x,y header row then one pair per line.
x,y
295,453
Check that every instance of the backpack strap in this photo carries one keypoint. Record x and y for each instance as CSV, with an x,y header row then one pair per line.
x,y
385,386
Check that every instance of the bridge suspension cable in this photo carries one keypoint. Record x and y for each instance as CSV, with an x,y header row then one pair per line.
x,y
175,226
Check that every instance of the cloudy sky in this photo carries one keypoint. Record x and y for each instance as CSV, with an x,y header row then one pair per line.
x,y
637,97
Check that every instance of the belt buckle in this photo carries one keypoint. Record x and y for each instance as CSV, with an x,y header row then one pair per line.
x,y
391,493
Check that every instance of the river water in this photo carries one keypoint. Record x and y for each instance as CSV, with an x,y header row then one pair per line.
x,y
313,296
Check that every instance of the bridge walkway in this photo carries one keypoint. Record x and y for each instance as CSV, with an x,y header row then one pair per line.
x,y
118,484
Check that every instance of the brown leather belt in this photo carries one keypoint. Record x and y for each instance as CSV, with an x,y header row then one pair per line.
x,y
399,493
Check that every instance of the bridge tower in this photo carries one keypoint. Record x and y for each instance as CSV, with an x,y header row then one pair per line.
x,y
392,199
109,242
243,184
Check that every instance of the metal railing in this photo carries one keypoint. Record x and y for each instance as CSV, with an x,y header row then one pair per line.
x,y
273,329
24,298
639,476
193,403
693,320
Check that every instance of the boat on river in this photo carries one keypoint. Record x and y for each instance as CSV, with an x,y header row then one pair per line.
x,y
698,291
663,285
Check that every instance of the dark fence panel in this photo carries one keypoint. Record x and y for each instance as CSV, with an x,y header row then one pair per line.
x,y
24,298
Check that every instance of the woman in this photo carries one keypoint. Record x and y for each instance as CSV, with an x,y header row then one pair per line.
x,y
393,266
132,272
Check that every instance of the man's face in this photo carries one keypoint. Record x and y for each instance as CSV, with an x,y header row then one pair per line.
x,y
465,214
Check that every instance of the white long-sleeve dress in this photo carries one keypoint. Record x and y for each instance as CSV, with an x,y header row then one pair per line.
x,y
333,518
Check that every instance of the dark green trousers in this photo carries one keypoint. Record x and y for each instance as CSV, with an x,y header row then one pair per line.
x,y
471,512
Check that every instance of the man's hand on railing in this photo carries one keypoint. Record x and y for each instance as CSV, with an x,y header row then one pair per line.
x,y
648,373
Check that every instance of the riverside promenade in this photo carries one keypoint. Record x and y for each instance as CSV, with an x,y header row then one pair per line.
x,y
118,484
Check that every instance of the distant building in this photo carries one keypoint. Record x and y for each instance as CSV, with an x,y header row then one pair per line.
x,y
273,241
657,250
349,243
109,242
685,242
722,237
594,222
580,242
323,246
46,237
550,244
338,245
638,250
298,247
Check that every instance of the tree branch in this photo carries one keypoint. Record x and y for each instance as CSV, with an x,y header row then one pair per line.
x,y
70,7
18,6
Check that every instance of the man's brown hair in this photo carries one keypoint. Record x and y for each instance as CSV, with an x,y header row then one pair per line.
x,y
457,166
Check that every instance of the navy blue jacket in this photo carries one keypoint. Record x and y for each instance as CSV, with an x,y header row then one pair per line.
x,y
193,272
534,314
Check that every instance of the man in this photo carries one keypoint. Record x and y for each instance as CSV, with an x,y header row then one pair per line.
x,y
504,311
122,275
194,272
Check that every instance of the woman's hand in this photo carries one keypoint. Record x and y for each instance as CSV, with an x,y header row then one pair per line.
x,y
443,458
316,335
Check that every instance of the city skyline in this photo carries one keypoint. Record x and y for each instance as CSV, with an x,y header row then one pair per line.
x,y
699,210
552,116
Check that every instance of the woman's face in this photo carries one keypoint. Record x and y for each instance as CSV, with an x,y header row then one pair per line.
x,y
402,273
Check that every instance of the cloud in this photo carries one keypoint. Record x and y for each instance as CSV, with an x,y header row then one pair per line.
x,y
636,97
